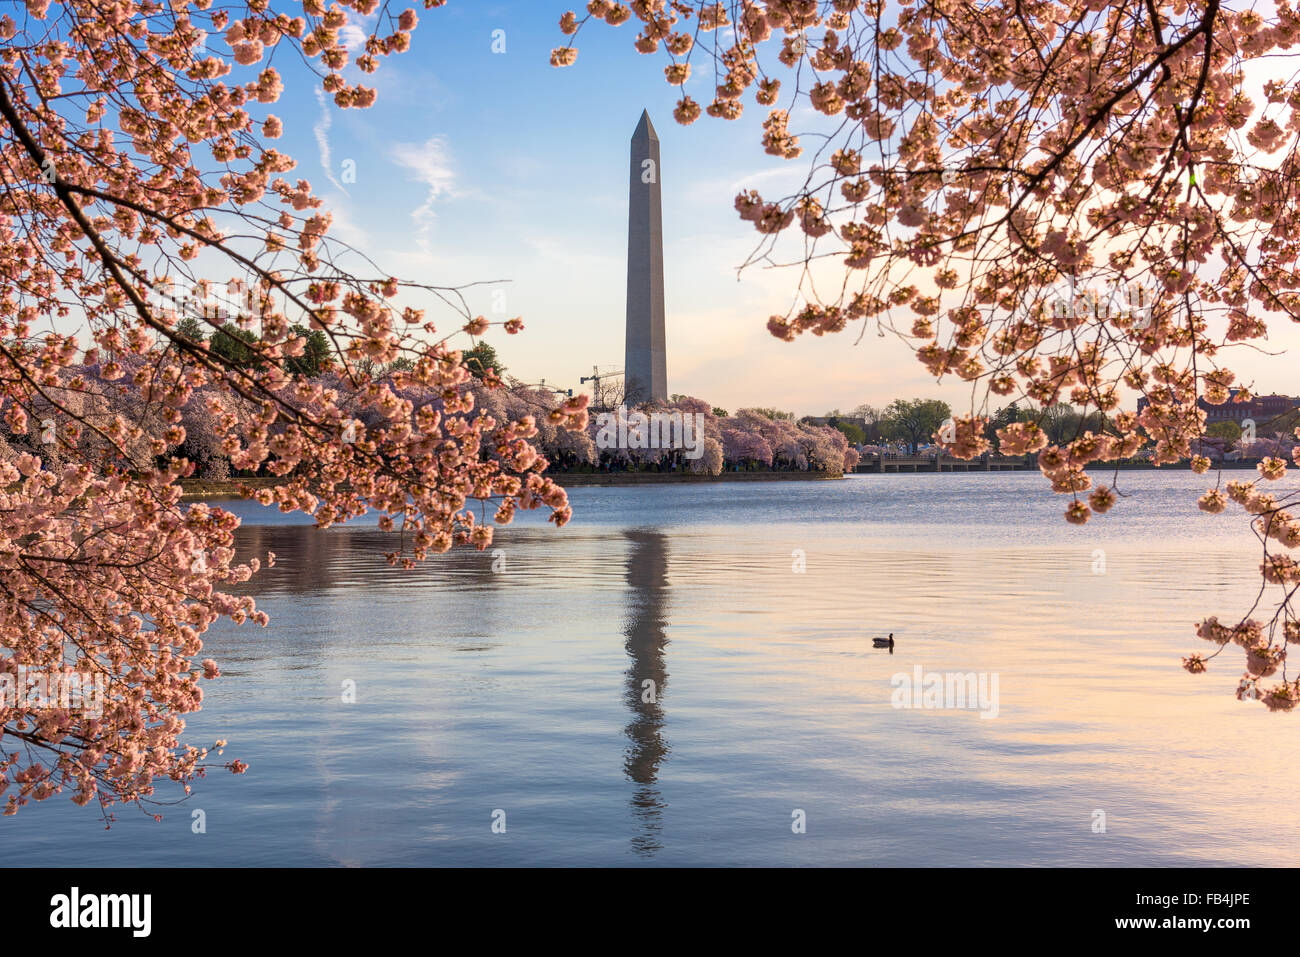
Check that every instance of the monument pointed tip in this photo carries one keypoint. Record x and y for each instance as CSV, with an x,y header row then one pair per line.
x,y
644,128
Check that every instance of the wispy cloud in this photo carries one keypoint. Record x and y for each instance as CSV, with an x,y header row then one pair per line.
x,y
322,133
430,163
353,37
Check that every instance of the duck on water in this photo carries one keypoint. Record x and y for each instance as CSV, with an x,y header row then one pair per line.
x,y
885,642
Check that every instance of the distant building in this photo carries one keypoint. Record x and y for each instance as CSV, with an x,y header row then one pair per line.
x,y
1261,408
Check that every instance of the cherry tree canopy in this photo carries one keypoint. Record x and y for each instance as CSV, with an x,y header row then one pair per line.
x,y
138,178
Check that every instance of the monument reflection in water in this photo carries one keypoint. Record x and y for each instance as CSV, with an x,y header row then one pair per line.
x,y
647,679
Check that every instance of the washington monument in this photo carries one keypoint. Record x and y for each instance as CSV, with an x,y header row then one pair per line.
x,y
645,373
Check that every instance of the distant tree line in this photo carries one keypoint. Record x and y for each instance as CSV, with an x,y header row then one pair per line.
x,y
914,423
236,345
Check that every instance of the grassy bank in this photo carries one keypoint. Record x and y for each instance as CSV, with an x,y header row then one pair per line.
x,y
197,489
576,479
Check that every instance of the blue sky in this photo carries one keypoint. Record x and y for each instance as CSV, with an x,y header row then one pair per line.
x,y
475,166
478,167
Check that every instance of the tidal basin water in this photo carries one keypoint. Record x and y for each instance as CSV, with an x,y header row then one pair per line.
x,y
522,690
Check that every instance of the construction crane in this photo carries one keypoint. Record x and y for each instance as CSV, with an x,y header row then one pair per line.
x,y
594,379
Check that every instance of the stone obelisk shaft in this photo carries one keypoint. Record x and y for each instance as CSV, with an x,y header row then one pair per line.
x,y
645,373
